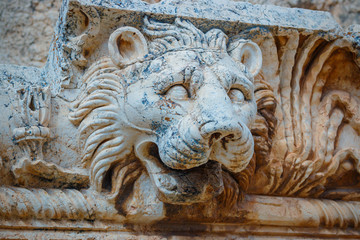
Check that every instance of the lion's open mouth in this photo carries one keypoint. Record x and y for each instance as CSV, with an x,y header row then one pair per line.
x,y
189,186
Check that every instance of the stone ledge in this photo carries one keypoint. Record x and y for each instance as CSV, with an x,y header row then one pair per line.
x,y
243,12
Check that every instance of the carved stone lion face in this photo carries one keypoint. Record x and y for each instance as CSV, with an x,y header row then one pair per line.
x,y
190,105
199,105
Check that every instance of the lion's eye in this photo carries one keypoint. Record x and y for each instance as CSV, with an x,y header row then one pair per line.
x,y
236,95
178,92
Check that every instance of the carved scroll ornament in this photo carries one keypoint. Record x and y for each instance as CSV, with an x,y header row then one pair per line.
x,y
316,112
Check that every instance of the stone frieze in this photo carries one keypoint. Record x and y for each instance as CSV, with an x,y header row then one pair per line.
x,y
162,115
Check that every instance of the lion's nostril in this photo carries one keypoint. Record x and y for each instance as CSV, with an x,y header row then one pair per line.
x,y
154,150
214,137
230,136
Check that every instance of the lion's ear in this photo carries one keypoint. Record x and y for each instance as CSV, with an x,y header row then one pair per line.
x,y
247,53
127,45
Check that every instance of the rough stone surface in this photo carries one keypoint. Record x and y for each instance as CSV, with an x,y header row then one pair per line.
x,y
172,120
26,30
346,12
26,26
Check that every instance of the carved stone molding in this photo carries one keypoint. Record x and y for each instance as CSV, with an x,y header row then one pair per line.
x,y
170,119
71,204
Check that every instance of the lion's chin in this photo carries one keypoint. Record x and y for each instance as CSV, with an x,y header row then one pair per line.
x,y
189,186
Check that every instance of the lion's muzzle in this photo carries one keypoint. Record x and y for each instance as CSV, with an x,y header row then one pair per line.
x,y
212,131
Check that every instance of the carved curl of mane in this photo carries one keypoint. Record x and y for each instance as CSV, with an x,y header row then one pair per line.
x,y
182,34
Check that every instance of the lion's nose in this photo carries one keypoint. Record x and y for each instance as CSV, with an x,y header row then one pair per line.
x,y
216,117
216,130
220,122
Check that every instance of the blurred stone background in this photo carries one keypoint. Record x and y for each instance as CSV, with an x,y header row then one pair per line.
x,y
26,26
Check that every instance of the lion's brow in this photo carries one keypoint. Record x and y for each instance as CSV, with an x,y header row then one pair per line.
x,y
230,79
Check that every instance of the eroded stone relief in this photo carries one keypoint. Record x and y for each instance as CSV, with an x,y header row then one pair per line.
x,y
179,102
317,111
146,118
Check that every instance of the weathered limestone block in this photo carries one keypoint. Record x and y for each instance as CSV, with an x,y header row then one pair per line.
x,y
171,118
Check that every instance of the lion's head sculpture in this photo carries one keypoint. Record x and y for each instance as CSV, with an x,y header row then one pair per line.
x,y
174,102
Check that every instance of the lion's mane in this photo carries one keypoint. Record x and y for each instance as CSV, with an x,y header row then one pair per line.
x,y
98,112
